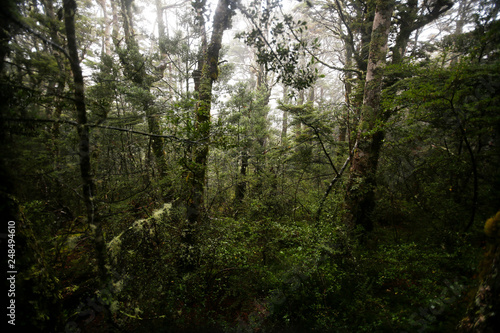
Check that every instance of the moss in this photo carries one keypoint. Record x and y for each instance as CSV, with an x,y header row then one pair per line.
x,y
73,241
160,213
114,247
492,226
139,226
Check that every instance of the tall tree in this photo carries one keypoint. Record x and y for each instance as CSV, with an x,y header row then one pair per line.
x,y
360,189
360,200
135,70
89,194
198,164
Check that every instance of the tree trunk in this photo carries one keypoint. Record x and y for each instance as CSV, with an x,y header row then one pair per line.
x,y
161,27
133,62
56,88
197,166
241,187
344,122
284,127
83,135
361,185
410,21
483,314
105,39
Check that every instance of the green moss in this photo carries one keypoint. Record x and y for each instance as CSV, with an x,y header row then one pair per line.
x,y
492,226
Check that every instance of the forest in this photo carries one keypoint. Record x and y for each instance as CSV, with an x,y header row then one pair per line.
x,y
250,165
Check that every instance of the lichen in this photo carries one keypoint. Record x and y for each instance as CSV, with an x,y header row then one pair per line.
x,y
114,247
139,225
159,214
118,286
72,241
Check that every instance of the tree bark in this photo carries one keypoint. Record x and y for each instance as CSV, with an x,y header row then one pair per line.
x,y
56,88
284,127
83,135
161,27
360,200
410,21
198,164
361,185
483,314
241,186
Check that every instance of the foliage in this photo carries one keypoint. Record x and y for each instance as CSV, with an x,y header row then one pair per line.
x,y
286,49
271,251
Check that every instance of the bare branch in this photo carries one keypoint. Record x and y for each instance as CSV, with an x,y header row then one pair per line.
x,y
339,174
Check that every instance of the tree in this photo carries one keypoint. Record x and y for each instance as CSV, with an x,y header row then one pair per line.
x,y
360,199
135,70
360,189
93,218
209,65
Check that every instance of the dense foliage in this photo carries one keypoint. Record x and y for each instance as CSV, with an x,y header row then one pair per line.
x,y
211,204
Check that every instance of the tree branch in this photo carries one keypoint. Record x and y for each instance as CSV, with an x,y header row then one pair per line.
x,y
114,128
339,174
38,35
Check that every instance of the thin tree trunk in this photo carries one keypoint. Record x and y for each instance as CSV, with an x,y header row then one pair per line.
x,y
161,27
284,127
241,187
83,134
344,122
106,37
58,86
114,14
134,63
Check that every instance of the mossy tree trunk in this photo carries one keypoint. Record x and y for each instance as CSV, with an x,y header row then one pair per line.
x,y
198,164
360,201
483,314
361,184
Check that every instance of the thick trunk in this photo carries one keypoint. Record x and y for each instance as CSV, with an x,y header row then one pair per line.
x,y
361,184
360,200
